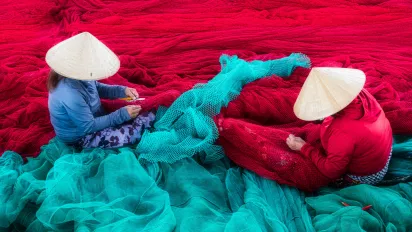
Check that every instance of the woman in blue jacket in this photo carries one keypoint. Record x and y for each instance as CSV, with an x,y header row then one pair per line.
x,y
75,109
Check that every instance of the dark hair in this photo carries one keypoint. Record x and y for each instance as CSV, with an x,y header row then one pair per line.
x,y
53,80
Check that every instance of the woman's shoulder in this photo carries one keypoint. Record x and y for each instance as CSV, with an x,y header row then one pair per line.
x,y
336,126
67,89
71,83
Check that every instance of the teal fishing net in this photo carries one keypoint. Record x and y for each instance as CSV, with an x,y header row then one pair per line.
x,y
187,127
391,206
391,209
109,190
400,167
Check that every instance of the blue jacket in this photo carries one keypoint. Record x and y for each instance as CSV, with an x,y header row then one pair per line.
x,y
76,110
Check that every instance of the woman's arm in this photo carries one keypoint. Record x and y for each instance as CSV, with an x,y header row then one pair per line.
x,y
110,91
80,113
334,163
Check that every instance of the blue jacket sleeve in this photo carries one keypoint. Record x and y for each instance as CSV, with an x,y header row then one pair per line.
x,y
110,91
79,112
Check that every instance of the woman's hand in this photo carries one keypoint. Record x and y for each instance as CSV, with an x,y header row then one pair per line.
x,y
132,93
295,143
133,110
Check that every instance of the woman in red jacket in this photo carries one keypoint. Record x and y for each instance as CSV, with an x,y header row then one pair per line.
x,y
355,134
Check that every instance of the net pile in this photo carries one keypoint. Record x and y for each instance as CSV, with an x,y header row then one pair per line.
x,y
110,190
107,190
390,211
187,127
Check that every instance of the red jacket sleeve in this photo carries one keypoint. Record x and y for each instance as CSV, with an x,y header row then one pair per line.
x,y
334,163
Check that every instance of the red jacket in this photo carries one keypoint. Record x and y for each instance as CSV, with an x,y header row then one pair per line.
x,y
356,141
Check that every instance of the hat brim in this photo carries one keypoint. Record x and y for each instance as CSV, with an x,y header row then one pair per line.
x,y
327,91
83,57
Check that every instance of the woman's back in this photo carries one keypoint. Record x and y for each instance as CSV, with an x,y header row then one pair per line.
x,y
73,105
367,127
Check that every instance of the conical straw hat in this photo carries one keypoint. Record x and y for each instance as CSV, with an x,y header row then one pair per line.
x,y
327,91
83,57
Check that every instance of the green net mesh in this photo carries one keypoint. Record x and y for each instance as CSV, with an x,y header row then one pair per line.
x,y
391,209
187,127
109,190
400,167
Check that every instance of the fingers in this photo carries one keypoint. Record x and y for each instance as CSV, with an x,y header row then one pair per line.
x,y
134,93
134,110
291,141
138,109
294,138
300,140
135,106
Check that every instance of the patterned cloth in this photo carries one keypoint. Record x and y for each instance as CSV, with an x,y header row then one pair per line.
x,y
114,137
373,179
